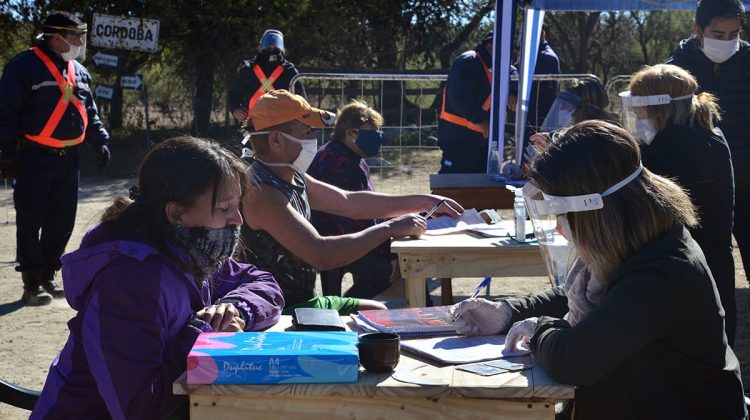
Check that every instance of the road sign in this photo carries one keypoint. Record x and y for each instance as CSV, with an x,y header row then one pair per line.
x,y
104,92
133,81
125,33
106,60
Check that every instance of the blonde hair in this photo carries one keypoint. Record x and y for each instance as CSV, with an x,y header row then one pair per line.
x,y
700,112
590,157
354,115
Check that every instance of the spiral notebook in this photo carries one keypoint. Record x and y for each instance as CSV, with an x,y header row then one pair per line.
x,y
434,320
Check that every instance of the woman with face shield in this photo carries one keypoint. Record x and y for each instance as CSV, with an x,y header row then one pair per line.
x,y
581,100
679,140
652,343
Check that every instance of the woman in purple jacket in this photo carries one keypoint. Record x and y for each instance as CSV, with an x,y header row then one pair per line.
x,y
156,272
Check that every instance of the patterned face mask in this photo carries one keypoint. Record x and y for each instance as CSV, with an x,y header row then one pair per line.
x,y
206,248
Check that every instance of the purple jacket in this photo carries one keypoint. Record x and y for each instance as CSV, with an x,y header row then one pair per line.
x,y
130,339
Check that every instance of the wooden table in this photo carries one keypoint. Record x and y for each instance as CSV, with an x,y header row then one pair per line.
x,y
472,190
462,255
520,395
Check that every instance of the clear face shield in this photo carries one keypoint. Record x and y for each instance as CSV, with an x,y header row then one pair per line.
x,y
74,37
549,217
560,114
635,114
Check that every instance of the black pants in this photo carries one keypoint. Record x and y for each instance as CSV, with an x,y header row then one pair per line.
x,y
467,157
45,197
369,273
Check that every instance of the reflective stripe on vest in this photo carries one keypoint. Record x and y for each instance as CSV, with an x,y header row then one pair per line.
x,y
266,83
67,88
461,121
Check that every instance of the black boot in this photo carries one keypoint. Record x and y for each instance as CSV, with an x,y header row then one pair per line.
x,y
33,293
50,285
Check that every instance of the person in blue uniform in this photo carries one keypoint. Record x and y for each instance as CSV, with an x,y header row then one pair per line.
x,y
268,70
47,111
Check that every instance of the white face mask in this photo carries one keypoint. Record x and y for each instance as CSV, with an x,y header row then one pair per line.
x,y
644,130
718,50
73,53
305,157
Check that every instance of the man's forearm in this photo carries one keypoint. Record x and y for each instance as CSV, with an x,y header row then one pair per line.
x,y
336,251
372,205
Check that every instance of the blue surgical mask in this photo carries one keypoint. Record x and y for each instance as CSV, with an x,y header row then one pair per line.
x,y
369,141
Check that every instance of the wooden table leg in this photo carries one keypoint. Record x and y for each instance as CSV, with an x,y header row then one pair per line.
x,y
446,291
416,295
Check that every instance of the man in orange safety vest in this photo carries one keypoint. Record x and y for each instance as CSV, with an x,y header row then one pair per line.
x,y
268,70
47,111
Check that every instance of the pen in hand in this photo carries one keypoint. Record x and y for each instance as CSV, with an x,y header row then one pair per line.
x,y
437,206
477,291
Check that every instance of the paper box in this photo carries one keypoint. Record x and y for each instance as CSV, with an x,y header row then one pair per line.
x,y
274,357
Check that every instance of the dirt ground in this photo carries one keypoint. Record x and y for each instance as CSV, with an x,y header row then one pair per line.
x,y
32,336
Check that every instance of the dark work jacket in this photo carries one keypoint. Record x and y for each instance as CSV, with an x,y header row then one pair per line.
x,y
245,84
654,348
466,90
730,82
29,93
543,93
700,162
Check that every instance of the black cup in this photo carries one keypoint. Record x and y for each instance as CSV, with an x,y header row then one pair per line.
x,y
379,352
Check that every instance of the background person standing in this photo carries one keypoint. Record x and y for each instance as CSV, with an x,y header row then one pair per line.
x,y
268,70
47,110
719,60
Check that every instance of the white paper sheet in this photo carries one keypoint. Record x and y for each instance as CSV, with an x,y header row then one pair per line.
x,y
461,349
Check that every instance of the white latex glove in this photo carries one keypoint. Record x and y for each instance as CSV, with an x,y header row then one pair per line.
x,y
480,317
519,335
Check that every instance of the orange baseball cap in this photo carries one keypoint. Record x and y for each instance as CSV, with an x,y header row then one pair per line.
x,y
280,106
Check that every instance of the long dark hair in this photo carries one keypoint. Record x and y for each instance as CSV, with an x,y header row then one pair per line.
x,y
179,169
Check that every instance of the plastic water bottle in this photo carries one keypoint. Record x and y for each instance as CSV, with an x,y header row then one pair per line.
x,y
519,215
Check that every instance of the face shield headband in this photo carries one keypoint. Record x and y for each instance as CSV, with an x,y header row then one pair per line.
x,y
548,216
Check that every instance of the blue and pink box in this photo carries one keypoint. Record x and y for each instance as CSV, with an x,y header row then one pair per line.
x,y
274,357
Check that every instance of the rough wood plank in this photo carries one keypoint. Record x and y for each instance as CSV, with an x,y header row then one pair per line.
x,y
232,407
446,291
416,265
416,295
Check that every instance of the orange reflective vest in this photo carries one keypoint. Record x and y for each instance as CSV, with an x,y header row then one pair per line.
x,y
459,120
67,97
266,83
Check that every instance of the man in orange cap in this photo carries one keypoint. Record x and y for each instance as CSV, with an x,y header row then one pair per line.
x,y
279,237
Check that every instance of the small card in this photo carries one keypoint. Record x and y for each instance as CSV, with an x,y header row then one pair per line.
x,y
493,367
504,364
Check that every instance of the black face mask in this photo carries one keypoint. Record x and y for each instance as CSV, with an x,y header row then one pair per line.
x,y
272,57
207,249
